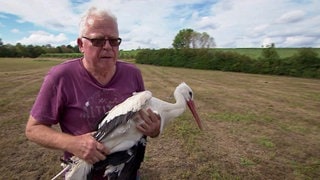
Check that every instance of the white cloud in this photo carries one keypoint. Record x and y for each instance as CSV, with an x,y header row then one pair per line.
x,y
43,38
206,23
15,30
56,15
291,17
73,43
302,41
266,41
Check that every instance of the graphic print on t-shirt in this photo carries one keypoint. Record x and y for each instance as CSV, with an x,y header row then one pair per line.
x,y
98,104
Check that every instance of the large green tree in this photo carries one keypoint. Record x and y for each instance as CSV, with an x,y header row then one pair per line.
x,y
188,38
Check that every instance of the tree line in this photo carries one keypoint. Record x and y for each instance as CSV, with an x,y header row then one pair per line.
x,y
304,63
20,50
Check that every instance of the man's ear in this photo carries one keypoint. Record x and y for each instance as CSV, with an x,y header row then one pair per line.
x,y
80,44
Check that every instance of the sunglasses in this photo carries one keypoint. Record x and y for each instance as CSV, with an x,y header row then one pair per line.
x,y
102,42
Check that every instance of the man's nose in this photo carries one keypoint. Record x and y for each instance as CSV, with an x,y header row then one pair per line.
x,y
107,44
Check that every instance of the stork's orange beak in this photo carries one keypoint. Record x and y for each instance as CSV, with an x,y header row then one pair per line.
x,y
193,110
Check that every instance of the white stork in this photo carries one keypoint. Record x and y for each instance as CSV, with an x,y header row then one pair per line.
x,y
118,131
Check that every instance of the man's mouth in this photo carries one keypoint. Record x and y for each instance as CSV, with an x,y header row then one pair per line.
x,y
106,57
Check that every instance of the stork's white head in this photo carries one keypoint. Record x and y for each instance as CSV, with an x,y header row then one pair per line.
x,y
187,93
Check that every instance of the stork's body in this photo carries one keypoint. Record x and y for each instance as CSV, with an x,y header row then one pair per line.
x,y
118,131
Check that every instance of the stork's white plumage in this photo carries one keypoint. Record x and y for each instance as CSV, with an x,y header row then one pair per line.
x,y
118,131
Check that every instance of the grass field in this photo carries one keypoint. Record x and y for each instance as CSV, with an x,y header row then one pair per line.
x,y
256,126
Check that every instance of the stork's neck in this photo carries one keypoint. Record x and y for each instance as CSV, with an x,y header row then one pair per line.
x,y
178,107
171,111
180,101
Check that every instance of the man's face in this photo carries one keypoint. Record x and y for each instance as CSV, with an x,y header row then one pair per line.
x,y
97,54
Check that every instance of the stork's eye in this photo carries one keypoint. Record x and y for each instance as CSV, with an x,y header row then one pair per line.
x,y
190,94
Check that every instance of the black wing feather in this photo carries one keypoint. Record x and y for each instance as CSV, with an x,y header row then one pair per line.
x,y
108,127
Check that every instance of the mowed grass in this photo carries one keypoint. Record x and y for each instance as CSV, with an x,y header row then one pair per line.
x,y
256,126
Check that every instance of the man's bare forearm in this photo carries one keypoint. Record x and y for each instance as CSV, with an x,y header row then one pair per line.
x,y
46,136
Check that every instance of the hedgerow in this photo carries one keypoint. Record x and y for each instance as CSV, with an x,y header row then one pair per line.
x,y
305,63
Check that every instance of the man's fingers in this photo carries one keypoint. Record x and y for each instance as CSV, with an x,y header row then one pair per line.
x,y
100,156
103,149
153,116
145,116
96,151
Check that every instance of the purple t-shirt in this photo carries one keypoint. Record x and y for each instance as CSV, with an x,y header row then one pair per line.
x,y
72,97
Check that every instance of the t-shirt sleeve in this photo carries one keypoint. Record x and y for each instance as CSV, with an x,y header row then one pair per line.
x,y
48,103
140,81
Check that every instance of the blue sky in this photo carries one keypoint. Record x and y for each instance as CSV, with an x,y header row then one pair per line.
x,y
155,23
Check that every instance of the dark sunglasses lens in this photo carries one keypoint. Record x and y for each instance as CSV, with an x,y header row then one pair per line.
x,y
114,42
98,42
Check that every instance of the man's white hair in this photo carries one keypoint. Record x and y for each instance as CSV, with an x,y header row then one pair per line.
x,y
94,13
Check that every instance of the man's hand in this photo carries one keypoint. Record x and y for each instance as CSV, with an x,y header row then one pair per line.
x,y
151,123
87,148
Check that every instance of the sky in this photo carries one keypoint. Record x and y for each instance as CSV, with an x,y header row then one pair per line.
x,y
155,23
